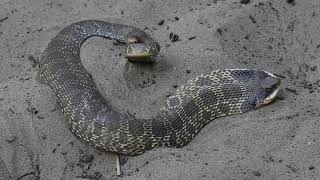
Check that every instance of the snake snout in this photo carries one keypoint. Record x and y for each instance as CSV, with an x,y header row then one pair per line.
x,y
271,86
143,50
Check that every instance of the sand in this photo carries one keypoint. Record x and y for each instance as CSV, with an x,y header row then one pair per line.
x,y
279,141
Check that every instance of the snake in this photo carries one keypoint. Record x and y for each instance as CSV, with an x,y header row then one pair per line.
x,y
92,119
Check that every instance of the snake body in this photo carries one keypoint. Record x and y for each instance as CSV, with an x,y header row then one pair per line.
x,y
199,101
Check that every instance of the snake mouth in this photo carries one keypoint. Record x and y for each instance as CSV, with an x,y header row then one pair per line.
x,y
143,50
271,97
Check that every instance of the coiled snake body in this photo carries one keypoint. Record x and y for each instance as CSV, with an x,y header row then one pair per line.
x,y
206,97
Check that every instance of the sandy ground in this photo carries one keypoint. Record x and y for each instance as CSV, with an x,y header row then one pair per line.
x,y
279,141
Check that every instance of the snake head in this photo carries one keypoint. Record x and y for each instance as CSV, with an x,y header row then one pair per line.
x,y
261,87
266,88
270,86
142,50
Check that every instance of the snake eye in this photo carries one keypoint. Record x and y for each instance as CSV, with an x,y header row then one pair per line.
x,y
270,82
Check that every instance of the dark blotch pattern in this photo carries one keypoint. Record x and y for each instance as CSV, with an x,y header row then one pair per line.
x,y
231,91
174,101
208,97
190,107
224,108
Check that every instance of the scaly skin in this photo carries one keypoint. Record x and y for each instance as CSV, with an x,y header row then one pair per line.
x,y
216,94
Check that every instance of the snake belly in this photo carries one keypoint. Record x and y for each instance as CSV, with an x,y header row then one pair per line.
x,y
91,118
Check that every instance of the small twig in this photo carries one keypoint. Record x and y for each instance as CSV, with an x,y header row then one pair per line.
x,y
280,76
3,19
118,164
11,139
292,90
24,175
